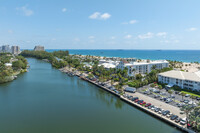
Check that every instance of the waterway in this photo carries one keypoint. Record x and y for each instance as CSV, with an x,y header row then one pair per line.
x,y
44,100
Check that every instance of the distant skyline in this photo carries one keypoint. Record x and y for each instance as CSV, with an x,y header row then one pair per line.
x,y
92,24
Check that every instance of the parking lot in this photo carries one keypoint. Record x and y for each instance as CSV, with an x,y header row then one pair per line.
x,y
158,103
174,99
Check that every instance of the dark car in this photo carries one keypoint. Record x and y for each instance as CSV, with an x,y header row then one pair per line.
x,y
176,92
130,97
198,98
133,99
166,112
157,109
164,99
173,117
178,120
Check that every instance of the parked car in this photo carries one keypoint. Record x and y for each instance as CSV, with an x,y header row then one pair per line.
x,y
172,96
187,95
151,106
182,100
168,100
142,103
157,109
186,101
165,112
173,117
198,98
133,99
148,104
169,115
136,100
183,121
178,120
176,92
160,112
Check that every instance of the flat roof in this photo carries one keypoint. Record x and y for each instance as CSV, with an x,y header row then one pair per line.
x,y
182,75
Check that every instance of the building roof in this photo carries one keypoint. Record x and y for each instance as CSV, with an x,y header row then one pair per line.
x,y
182,75
107,65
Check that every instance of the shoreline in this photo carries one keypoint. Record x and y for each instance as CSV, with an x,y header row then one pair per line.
x,y
154,114
13,76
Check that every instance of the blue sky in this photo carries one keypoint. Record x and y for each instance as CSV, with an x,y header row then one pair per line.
x,y
102,24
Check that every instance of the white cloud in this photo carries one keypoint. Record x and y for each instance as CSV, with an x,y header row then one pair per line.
x,y
64,9
130,22
133,21
98,15
95,15
91,37
112,37
128,36
53,39
146,36
10,31
161,34
25,11
192,29
105,16
76,39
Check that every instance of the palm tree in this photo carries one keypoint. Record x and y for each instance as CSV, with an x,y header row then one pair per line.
x,y
183,94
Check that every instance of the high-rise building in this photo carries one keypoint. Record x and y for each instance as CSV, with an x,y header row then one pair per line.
x,y
15,50
39,48
5,49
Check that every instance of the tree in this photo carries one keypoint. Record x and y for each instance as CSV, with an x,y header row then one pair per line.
x,y
192,97
187,109
170,92
183,94
18,65
160,87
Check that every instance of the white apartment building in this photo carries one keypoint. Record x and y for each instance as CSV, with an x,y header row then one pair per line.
x,y
142,67
182,79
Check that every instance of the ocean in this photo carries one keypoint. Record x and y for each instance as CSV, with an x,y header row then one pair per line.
x,y
178,55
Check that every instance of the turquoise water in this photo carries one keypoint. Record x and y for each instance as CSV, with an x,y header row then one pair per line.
x,y
44,100
179,55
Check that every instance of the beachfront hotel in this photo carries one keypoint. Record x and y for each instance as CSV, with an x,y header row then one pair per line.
x,y
142,67
188,80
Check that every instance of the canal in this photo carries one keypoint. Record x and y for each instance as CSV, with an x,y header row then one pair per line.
x,y
44,100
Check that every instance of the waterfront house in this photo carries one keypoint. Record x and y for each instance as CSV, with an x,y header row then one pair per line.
x,y
188,80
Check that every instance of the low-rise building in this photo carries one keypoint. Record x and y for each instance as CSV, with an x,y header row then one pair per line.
x,y
188,80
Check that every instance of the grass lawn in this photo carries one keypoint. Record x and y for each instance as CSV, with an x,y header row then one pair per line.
x,y
191,93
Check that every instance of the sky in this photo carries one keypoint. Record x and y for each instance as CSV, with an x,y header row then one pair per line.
x,y
101,24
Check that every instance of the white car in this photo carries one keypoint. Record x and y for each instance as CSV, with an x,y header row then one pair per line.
x,y
183,121
169,115
160,112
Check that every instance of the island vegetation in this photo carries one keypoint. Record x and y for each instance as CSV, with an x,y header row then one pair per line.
x,y
10,66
